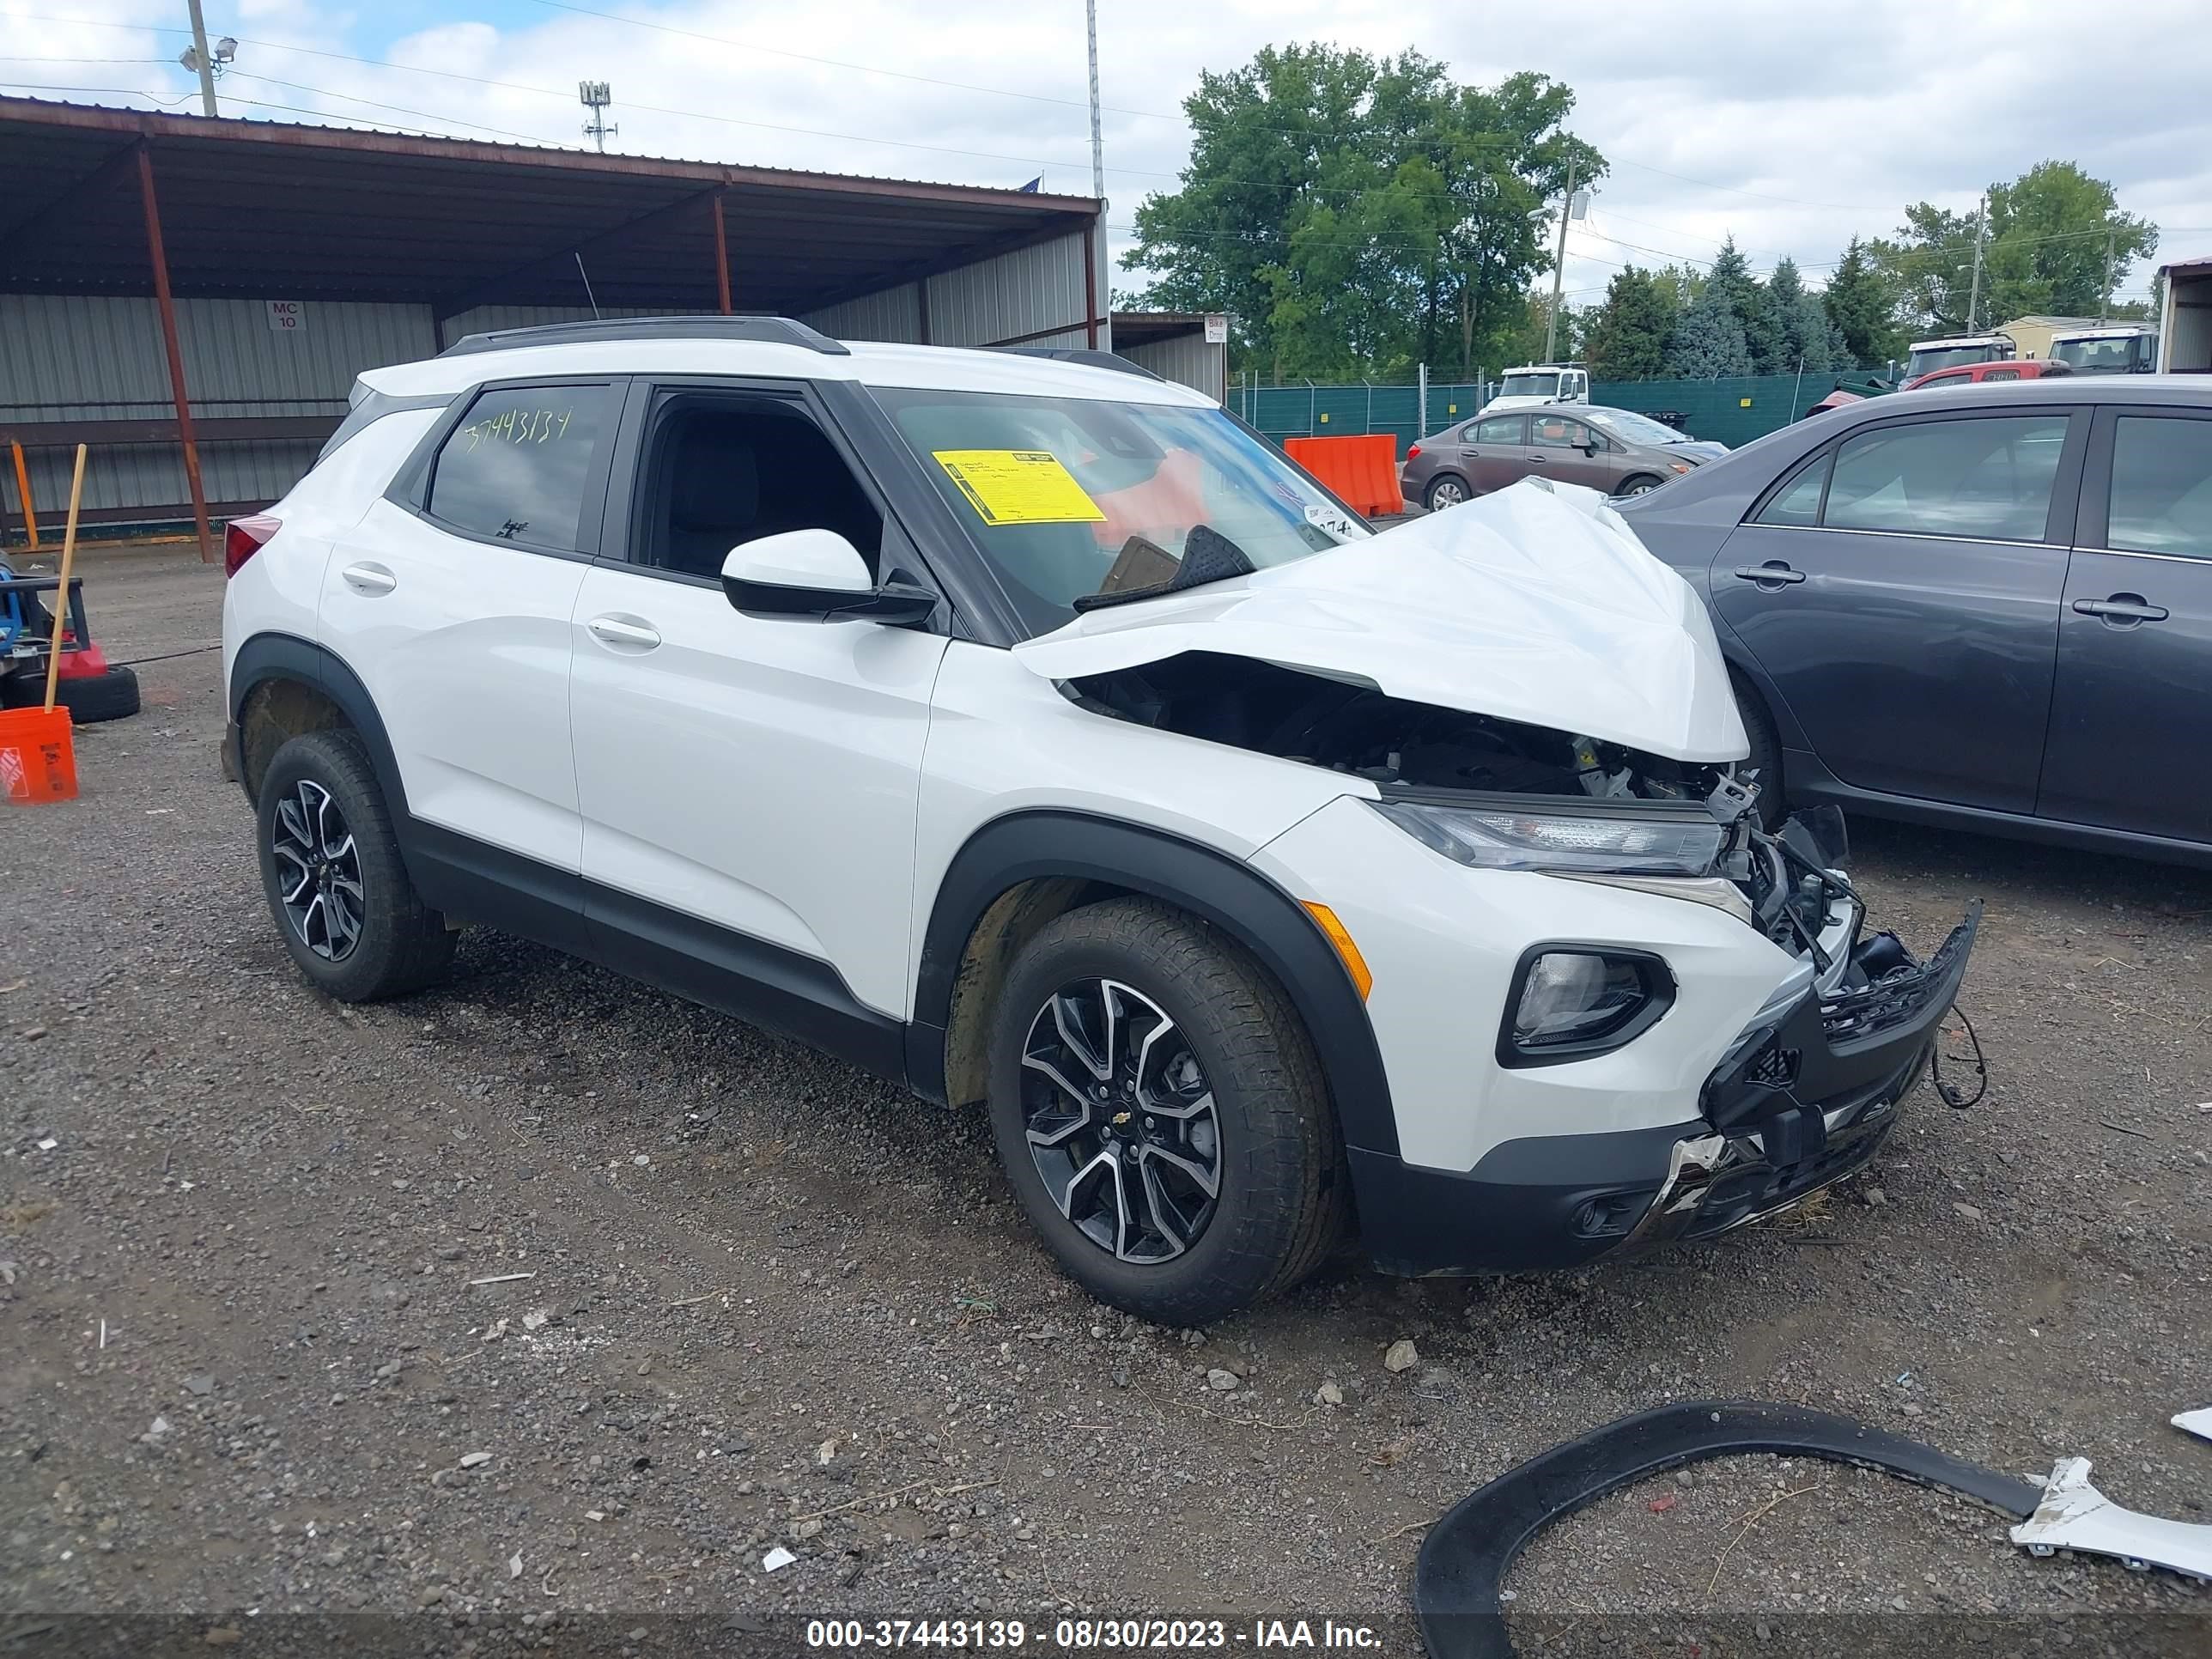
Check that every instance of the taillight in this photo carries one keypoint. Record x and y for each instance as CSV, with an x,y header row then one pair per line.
x,y
1412,450
243,539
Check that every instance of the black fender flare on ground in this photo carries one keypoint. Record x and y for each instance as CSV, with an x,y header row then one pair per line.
x,y
1464,1558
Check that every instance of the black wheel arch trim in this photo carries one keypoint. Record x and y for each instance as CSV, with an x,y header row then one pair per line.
x,y
1219,890
1463,1560
267,657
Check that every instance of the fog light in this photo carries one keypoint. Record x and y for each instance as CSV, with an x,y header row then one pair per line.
x,y
1569,1004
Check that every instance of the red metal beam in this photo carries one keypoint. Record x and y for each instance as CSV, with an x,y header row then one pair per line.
x,y
721,257
159,258
1090,282
267,136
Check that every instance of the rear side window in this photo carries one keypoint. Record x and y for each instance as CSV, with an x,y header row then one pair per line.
x,y
1799,504
1498,430
2161,486
516,467
1987,479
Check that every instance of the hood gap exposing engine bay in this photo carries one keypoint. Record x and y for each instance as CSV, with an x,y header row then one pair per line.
x,y
1024,729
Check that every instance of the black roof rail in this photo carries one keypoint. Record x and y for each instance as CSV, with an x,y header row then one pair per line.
x,y
1085,354
769,330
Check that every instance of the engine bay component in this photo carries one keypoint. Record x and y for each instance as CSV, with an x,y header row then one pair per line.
x,y
1464,1558
2075,1515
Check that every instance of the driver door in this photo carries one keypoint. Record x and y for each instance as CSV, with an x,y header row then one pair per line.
x,y
1560,447
748,782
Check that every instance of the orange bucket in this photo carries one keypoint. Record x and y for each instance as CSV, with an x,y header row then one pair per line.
x,y
38,761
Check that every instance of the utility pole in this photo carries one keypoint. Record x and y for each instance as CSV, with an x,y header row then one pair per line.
x,y
2105,299
1097,145
1560,263
1974,295
1104,281
200,61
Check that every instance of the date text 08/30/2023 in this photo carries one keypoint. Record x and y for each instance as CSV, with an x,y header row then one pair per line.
x,y
1137,1635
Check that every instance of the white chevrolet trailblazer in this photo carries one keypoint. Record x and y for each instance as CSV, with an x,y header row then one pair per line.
x,y
1024,729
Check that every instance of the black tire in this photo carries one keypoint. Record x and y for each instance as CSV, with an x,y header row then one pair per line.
x,y
399,944
1765,756
110,696
1642,483
1445,484
1282,1190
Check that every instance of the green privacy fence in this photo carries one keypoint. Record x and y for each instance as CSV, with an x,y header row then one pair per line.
x,y
1730,411
1305,410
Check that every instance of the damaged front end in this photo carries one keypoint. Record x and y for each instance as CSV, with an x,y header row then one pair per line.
x,y
1805,1093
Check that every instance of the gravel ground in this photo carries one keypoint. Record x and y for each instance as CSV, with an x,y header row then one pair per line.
x,y
539,1307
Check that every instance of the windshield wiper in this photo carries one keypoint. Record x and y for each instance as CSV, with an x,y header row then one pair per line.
x,y
1207,556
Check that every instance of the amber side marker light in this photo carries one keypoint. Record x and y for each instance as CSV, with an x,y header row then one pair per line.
x,y
1347,953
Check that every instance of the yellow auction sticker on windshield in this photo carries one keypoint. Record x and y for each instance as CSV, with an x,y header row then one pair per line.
x,y
1019,486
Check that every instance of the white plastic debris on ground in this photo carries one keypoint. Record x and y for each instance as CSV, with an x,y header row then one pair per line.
x,y
2075,1515
1536,604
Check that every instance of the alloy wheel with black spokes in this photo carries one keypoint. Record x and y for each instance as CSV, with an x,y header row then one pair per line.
x,y
1161,1113
338,887
319,869
1120,1121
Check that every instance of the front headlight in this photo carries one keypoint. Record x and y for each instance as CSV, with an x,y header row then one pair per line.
x,y
1572,843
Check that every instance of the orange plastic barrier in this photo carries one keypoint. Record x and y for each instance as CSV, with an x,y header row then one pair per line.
x,y
38,761
1363,472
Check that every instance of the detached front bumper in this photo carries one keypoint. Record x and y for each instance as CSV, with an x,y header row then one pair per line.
x,y
1804,1098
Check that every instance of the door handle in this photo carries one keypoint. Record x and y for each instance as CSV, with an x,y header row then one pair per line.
x,y
371,580
622,632
1773,574
2122,609
1538,460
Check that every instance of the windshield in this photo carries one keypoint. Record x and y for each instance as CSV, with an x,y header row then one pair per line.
x,y
1951,356
1529,386
1635,429
1067,497
2110,354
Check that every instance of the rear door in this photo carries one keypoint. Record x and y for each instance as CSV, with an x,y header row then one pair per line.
x,y
1490,451
451,600
1901,591
2131,721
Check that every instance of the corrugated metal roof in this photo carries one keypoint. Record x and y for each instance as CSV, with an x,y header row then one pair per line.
x,y
259,208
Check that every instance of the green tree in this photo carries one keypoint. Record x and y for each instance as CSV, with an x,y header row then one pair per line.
x,y
1731,281
1358,215
1627,339
1708,341
2044,251
1806,340
1861,303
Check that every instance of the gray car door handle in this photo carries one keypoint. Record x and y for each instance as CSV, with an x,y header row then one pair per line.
x,y
622,632
2122,607
1539,459
1777,572
371,580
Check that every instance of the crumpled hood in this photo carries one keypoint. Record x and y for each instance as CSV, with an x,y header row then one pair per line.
x,y
1536,604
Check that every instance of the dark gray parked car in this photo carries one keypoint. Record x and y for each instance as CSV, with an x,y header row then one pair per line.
x,y
1988,607
1615,450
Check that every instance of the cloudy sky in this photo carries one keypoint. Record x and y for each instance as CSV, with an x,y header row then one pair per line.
x,y
1791,124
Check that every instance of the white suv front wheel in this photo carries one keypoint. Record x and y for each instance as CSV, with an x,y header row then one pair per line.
x,y
1161,1113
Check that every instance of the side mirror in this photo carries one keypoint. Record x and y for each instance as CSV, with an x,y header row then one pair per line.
x,y
1591,446
816,574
